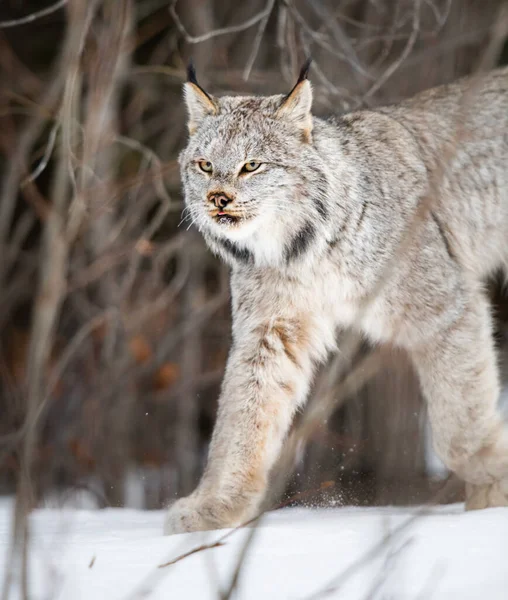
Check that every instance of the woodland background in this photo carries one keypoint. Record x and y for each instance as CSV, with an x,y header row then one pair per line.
x,y
114,320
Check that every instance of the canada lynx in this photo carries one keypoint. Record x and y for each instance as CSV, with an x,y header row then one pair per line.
x,y
309,213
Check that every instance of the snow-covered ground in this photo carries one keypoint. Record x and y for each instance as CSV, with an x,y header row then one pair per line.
x,y
296,554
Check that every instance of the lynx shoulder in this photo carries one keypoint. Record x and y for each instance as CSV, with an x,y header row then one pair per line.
x,y
385,220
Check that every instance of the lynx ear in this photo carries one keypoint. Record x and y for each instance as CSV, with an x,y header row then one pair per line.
x,y
199,103
296,106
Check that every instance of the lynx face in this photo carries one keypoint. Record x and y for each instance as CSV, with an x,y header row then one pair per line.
x,y
239,176
251,177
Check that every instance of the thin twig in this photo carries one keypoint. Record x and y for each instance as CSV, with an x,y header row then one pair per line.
x,y
257,40
153,158
403,55
201,548
320,40
45,159
34,16
192,39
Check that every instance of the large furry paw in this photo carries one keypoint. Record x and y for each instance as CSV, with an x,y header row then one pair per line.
x,y
487,495
195,514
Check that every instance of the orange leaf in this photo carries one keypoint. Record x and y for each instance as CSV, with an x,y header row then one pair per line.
x,y
140,349
166,375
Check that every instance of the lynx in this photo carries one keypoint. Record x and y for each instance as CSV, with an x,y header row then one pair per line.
x,y
309,213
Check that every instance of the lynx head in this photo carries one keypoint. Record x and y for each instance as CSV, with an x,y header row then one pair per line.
x,y
252,178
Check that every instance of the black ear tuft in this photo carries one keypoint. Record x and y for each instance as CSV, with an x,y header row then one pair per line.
x,y
191,78
304,72
191,73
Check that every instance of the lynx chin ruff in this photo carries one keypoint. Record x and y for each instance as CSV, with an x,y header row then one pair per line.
x,y
308,213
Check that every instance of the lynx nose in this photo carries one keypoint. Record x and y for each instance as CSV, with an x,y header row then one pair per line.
x,y
219,199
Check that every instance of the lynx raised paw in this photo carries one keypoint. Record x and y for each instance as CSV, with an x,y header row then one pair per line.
x,y
195,514
488,495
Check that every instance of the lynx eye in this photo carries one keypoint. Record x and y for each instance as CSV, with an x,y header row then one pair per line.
x,y
206,166
250,166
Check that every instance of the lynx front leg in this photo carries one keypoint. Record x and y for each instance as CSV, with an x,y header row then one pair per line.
x,y
459,377
268,374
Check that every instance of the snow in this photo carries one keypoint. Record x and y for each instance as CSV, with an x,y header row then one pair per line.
x,y
114,554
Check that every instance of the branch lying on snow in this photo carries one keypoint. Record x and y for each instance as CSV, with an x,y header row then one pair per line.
x,y
221,542
202,548
337,582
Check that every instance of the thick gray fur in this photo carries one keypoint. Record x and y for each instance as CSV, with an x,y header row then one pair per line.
x,y
310,234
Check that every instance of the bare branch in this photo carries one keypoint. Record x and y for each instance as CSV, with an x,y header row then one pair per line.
x,y
191,39
257,41
217,544
45,159
403,55
34,16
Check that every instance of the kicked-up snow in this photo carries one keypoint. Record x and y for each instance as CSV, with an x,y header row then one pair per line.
x,y
343,553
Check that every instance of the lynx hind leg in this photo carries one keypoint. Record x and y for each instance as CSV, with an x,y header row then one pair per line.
x,y
459,377
487,495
